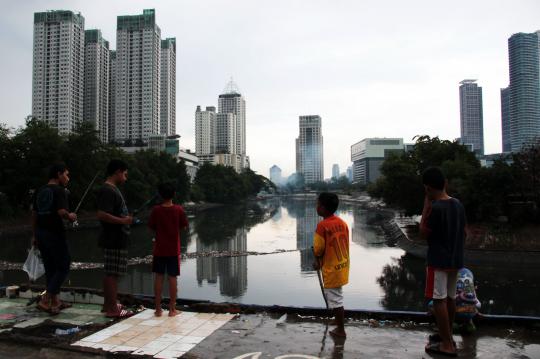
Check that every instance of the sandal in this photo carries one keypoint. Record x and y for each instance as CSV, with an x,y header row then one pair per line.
x,y
122,314
118,306
40,306
435,348
436,338
65,305
55,310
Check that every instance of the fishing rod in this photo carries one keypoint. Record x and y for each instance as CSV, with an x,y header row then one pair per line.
x,y
76,223
143,207
320,279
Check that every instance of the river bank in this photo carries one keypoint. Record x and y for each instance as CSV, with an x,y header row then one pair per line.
x,y
205,330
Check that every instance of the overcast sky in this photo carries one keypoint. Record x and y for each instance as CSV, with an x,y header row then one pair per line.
x,y
368,68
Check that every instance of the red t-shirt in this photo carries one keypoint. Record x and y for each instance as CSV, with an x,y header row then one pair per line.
x,y
167,222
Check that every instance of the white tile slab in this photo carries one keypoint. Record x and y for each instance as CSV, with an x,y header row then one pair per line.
x,y
183,347
191,340
124,348
169,354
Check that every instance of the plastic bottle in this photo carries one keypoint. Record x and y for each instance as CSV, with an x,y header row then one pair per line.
x,y
69,331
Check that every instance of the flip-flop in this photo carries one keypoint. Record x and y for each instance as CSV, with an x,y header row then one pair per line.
x,y
39,306
436,338
118,305
55,310
65,305
121,314
435,348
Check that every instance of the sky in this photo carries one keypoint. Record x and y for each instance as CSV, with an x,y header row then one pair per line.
x,y
368,68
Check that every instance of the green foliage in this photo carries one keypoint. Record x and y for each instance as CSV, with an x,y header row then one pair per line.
x,y
221,184
483,191
26,154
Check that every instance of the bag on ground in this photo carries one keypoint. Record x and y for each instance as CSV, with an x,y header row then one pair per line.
x,y
34,265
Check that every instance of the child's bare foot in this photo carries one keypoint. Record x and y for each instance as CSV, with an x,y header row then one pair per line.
x,y
158,312
173,312
338,332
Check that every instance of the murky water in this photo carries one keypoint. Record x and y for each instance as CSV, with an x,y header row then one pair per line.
x,y
381,275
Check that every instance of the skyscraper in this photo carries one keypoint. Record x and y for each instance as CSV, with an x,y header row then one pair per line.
x,y
138,53
96,82
205,128
275,174
309,149
226,133
231,101
112,94
220,138
523,50
335,171
471,115
505,120
58,69
168,87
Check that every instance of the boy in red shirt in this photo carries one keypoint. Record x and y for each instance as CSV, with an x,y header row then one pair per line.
x,y
166,220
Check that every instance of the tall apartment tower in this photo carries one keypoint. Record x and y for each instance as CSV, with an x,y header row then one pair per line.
x,y
138,55
205,129
523,50
309,149
112,95
96,82
168,87
58,69
275,175
231,101
335,171
226,133
505,120
471,115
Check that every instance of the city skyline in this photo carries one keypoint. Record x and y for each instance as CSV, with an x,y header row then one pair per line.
x,y
361,86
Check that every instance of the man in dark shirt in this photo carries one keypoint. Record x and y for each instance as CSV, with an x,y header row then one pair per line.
x,y
50,207
443,224
115,220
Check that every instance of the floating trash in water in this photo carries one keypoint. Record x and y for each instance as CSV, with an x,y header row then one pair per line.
x,y
282,319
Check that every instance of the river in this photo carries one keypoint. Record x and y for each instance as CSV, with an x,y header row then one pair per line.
x,y
381,275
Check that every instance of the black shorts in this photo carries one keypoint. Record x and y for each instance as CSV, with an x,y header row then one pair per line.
x,y
169,265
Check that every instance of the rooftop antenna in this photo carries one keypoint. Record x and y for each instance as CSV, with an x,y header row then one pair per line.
x,y
231,88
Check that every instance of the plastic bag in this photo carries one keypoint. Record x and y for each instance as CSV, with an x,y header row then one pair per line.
x,y
34,265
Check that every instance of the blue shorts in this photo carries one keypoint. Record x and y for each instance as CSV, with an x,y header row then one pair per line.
x,y
169,265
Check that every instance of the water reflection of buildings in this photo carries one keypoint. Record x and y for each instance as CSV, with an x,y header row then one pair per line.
x,y
306,223
363,232
232,271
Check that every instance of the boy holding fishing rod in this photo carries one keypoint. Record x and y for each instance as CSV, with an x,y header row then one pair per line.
x,y
331,249
115,220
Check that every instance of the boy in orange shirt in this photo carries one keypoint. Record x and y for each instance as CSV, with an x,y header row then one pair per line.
x,y
331,248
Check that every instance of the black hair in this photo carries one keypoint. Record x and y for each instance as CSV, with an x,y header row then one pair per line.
x,y
329,201
115,165
56,168
434,178
166,190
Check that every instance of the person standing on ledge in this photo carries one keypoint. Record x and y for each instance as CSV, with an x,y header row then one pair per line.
x,y
331,249
443,225
50,207
113,214
166,221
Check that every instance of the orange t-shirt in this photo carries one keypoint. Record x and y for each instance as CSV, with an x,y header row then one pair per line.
x,y
331,242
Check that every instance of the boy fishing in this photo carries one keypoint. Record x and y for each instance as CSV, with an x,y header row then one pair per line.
x,y
331,249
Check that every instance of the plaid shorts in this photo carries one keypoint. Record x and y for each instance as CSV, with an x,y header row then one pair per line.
x,y
115,261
